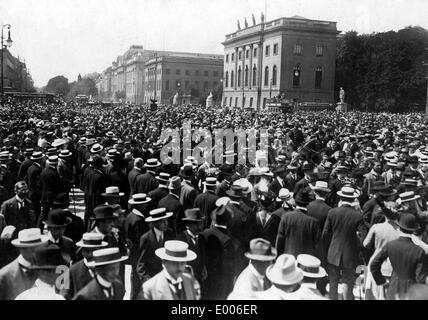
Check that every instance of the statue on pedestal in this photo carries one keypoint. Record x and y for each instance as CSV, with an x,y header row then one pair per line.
x,y
262,18
245,23
254,19
342,95
209,102
175,99
239,25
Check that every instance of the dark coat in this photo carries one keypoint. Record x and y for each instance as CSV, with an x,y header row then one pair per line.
x,y
149,264
290,182
302,184
119,179
156,195
34,182
188,195
134,228
172,204
132,179
297,233
13,281
75,229
206,203
342,225
220,262
97,183
93,291
222,188
67,247
51,184
275,186
145,183
23,218
199,263
79,277
409,266
270,230
23,169
318,209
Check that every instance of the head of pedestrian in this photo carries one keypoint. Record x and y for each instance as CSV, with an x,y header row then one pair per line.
x,y
56,223
106,263
27,241
284,273
104,218
90,242
311,268
175,255
158,218
261,255
112,195
21,190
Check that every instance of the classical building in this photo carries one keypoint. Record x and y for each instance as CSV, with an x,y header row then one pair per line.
x,y
190,75
293,56
15,74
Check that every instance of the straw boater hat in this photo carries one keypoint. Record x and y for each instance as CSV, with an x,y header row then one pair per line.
x,y
408,196
283,195
65,154
175,250
53,159
57,219
139,198
37,155
112,192
152,163
284,271
310,266
106,256
158,214
210,182
96,148
261,250
246,185
58,142
163,177
29,238
92,240
348,192
320,186
266,172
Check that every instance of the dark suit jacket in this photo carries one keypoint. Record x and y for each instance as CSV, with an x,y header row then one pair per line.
x,y
297,233
149,264
22,173
51,184
67,247
222,188
20,219
300,185
79,277
275,186
198,264
13,281
97,183
409,265
156,195
206,203
34,183
270,230
135,227
132,179
75,229
188,195
145,183
290,182
93,291
172,204
318,209
220,262
342,225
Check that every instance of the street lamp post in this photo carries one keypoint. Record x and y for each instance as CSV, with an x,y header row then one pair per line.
x,y
8,45
270,89
297,74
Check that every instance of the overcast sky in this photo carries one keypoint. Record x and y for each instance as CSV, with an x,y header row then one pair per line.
x,y
68,37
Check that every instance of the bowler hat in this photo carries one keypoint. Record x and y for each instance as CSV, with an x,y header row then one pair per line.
x,y
48,257
408,222
104,212
61,201
192,215
57,218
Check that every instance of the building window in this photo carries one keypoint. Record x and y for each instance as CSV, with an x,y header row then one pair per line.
x,y
246,76
255,52
254,76
318,77
226,84
251,102
239,76
274,76
197,73
319,50
232,57
214,84
186,84
230,102
247,54
240,55
177,84
215,74
167,71
197,85
167,84
236,102
206,73
266,76
298,48
178,72
232,79
227,58
187,73
275,49
297,73
205,85
267,49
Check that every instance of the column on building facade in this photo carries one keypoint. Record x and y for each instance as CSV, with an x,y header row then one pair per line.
x,y
243,76
236,69
250,68
259,72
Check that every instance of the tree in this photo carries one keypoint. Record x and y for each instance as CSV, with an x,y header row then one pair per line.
x,y
86,86
58,85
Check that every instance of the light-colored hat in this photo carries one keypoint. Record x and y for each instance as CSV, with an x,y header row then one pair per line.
x,y
163,177
311,266
139,198
261,250
321,186
408,196
113,192
58,142
246,185
92,240
37,155
284,271
96,148
152,163
65,154
210,181
53,159
158,214
28,238
222,201
266,172
348,192
106,256
423,159
175,250
174,183
283,195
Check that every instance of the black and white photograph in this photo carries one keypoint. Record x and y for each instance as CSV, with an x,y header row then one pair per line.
x,y
228,150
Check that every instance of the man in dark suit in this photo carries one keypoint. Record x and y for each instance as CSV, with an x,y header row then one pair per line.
x,y
34,183
279,181
22,173
105,285
188,191
172,204
80,274
65,170
298,233
220,257
341,227
291,178
408,260
206,201
147,181
134,173
148,265
51,185
75,229
303,184
226,173
194,223
161,191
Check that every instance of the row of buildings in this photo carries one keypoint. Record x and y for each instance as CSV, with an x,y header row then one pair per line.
x,y
16,76
289,57
140,75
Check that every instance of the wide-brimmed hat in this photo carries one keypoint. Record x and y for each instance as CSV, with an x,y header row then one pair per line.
x,y
104,212
110,134
61,201
127,156
158,214
82,140
235,192
53,159
187,170
57,219
408,222
220,214
266,172
96,148
106,256
37,155
261,250
348,192
163,177
320,186
152,163
65,154
112,192
175,250
174,183
48,257
284,271
210,182
92,240
408,196
410,182
310,266
380,186
28,238
192,215
139,198
246,185
58,142
283,195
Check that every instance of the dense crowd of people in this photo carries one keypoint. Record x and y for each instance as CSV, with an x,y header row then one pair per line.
x,y
331,195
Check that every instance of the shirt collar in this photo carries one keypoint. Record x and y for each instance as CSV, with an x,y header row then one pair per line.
x,y
175,195
19,199
280,180
171,279
137,212
191,234
157,232
220,226
23,262
51,238
103,282
301,208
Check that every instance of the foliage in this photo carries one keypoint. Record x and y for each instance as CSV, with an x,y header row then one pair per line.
x,y
58,85
85,86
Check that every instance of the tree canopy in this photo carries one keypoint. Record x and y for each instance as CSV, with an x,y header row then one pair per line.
x,y
58,85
